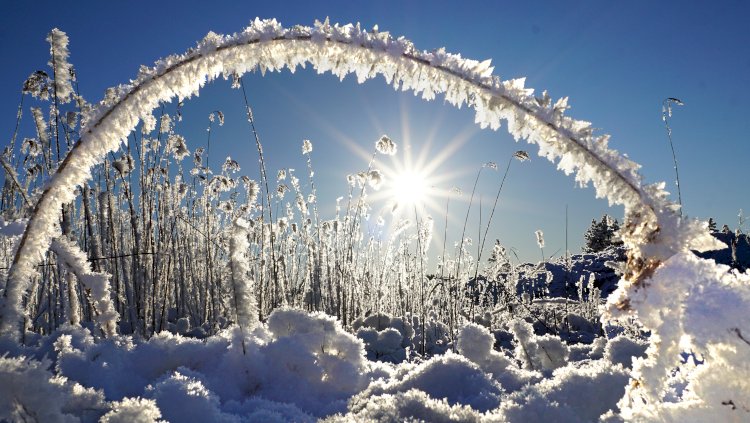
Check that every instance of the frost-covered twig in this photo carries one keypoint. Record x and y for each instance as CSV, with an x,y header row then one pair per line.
x,y
13,177
666,113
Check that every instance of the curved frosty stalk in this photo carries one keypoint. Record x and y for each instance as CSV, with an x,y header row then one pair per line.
x,y
653,231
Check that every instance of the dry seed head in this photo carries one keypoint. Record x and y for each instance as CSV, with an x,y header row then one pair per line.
x,y
539,238
522,156
386,146
306,147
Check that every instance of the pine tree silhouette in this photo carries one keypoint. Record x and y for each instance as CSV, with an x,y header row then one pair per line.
x,y
601,235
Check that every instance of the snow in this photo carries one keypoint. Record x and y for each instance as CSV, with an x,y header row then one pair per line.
x,y
30,392
136,410
450,377
538,352
573,394
623,350
301,366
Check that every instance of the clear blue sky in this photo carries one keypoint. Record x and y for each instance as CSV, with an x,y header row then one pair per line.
x,y
616,61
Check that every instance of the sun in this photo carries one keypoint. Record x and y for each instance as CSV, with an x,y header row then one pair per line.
x,y
416,184
409,188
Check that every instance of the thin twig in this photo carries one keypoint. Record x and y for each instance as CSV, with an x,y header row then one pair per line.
x,y
666,113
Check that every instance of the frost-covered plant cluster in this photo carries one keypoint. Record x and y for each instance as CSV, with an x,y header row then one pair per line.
x,y
122,240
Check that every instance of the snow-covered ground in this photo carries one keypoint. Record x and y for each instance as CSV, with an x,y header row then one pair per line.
x,y
301,367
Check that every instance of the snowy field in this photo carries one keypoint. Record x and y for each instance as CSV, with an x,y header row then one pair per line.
x,y
142,285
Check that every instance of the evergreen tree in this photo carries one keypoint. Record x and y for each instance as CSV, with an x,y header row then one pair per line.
x,y
601,235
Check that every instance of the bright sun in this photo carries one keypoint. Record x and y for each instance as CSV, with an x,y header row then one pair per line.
x,y
409,188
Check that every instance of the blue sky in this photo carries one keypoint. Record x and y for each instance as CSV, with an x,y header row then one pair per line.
x,y
616,61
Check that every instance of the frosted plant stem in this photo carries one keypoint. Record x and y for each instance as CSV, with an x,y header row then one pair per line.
x,y
12,176
8,195
666,114
19,114
421,283
451,327
466,221
56,103
264,176
316,274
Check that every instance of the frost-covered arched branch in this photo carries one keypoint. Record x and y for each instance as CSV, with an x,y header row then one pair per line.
x,y
265,45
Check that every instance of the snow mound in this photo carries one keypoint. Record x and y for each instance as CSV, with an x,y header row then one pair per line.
x,y
30,392
386,338
573,394
133,410
297,361
475,342
538,352
622,350
412,405
450,377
